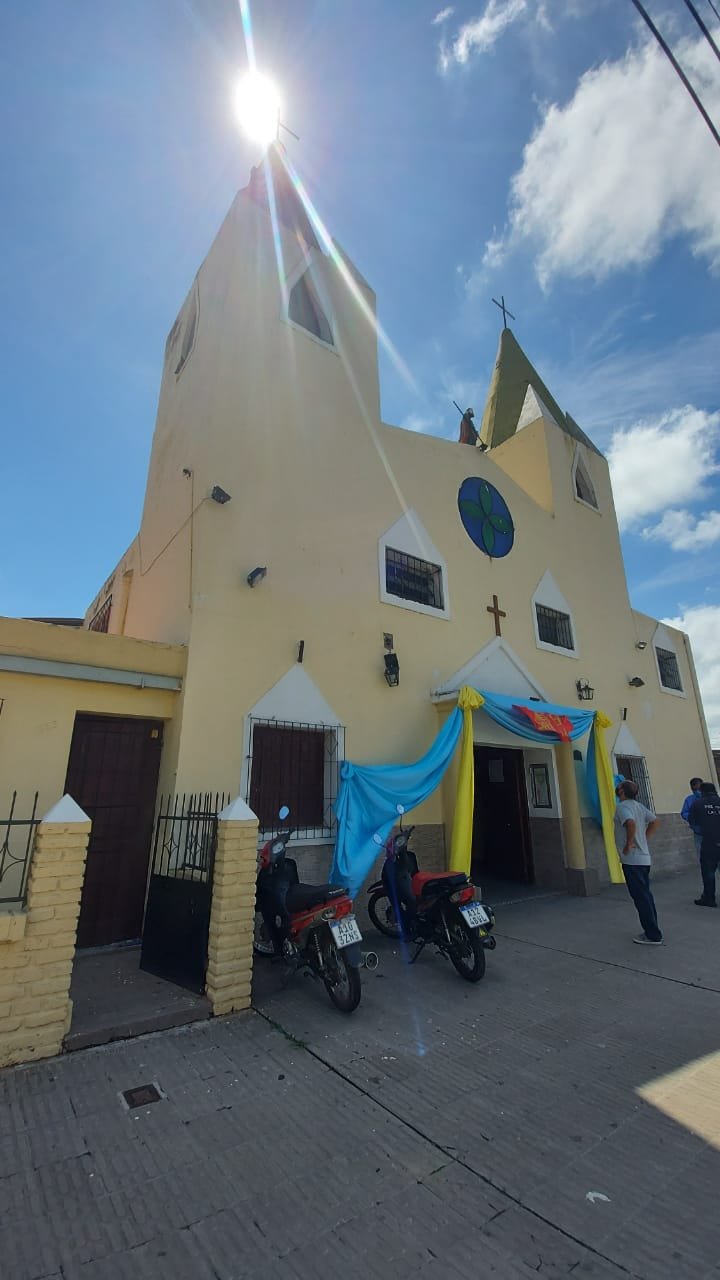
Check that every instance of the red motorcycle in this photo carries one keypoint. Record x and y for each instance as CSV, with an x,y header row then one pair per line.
x,y
312,926
431,906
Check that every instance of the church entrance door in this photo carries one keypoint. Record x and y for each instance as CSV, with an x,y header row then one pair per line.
x,y
501,828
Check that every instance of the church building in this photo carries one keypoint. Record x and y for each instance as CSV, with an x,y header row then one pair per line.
x,y
337,580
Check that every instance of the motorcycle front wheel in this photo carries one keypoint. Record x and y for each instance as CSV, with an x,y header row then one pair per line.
x,y
466,950
382,913
342,979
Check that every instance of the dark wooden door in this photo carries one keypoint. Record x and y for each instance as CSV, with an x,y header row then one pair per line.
x,y
501,828
112,774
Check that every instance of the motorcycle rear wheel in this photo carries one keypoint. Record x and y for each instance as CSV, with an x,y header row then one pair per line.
x,y
262,942
382,914
342,979
466,950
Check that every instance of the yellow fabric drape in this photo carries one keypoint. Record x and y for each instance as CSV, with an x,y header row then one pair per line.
x,y
461,844
606,792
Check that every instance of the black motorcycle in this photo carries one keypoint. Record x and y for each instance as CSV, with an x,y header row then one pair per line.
x,y
430,906
312,927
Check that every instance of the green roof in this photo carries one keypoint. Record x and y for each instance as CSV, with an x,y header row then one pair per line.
x,y
512,375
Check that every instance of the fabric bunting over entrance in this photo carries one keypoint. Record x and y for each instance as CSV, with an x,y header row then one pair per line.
x,y
369,794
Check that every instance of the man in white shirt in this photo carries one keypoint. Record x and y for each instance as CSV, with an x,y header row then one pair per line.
x,y
633,824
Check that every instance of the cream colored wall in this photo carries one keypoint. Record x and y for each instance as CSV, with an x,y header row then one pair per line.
x,y
38,712
291,430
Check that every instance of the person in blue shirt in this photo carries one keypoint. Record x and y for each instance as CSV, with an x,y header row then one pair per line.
x,y
688,802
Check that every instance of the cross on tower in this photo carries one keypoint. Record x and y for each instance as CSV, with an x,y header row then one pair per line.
x,y
503,308
497,613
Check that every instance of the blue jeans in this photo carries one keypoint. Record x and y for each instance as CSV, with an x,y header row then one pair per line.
x,y
637,880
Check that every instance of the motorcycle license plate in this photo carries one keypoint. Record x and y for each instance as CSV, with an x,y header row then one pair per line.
x,y
345,931
475,914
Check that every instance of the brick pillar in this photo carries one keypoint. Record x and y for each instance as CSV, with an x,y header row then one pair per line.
x,y
232,915
36,960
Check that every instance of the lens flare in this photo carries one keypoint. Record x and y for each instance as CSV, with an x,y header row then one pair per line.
x,y
257,107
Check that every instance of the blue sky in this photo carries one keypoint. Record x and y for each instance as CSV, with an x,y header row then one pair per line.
x,y
539,148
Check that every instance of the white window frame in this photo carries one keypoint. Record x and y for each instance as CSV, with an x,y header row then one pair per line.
x,y
548,593
410,538
314,262
296,698
663,639
578,460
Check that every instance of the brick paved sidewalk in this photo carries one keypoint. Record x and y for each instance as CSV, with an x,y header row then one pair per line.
x,y
442,1131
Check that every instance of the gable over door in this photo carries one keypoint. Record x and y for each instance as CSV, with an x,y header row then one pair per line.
x,y
112,774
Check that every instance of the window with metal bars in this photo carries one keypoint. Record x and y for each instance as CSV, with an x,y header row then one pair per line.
x,y
100,621
296,765
554,627
413,579
635,769
669,669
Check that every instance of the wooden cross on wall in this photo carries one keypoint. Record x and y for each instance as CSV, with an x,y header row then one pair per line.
x,y
497,613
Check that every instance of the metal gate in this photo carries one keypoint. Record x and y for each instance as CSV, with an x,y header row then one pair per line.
x,y
177,915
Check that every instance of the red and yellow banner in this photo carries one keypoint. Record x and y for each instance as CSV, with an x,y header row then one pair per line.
x,y
548,722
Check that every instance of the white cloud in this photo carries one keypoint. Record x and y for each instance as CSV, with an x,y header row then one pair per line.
x,y
419,422
702,624
658,464
686,532
612,383
443,16
624,166
480,34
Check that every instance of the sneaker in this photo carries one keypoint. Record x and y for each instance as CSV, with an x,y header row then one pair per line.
x,y
703,902
643,941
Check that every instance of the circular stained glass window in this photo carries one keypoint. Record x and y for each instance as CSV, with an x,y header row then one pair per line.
x,y
485,516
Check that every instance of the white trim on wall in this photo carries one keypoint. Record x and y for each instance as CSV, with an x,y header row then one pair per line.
x,y
663,639
548,593
409,536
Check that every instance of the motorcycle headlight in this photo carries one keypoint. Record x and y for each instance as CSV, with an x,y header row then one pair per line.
x,y
277,847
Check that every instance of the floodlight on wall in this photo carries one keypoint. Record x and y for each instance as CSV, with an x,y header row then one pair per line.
x,y
219,495
585,691
641,644
636,682
256,575
392,669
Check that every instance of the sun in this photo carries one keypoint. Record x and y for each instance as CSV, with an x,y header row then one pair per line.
x,y
257,107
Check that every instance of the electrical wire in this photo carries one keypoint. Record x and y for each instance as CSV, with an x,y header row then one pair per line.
x,y
705,30
676,65
715,11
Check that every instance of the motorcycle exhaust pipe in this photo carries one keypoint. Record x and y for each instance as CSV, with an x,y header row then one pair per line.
x,y
370,960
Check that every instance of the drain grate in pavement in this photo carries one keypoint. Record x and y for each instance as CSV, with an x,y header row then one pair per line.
x,y
141,1096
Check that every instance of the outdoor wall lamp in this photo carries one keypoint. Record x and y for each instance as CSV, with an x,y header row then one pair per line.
x,y
219,495
636,682
641,644
392,669
585,691
256,575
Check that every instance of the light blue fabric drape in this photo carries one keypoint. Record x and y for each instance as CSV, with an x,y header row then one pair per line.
x,y
500,707
368,800
369,794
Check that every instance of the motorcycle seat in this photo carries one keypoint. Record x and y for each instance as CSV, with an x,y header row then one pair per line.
x,y
427,883
301,897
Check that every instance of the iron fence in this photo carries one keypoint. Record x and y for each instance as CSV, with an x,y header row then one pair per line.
x,y
186,833
18,835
